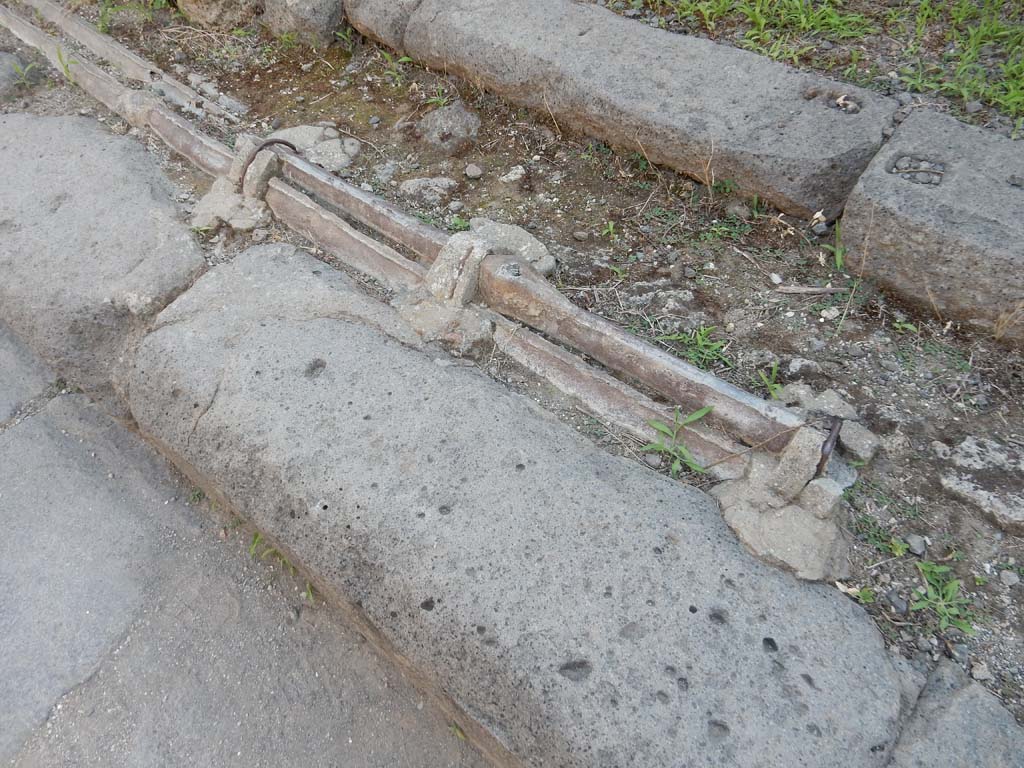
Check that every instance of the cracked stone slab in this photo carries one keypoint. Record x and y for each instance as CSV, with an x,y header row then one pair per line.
x,y
794,138
120,605
22,376
958,723
937,220
585,610
85,264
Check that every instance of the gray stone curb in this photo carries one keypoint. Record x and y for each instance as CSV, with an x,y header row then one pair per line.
x,y
710,111
938,218
80,275
584,610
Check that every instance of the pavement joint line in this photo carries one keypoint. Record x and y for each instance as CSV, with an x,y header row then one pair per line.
x,y
34,405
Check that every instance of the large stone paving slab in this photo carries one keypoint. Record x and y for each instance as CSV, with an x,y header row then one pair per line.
x,y
132,635
938,219
794,138
586,610
90,243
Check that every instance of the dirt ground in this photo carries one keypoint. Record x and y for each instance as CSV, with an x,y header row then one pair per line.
x,y
665,256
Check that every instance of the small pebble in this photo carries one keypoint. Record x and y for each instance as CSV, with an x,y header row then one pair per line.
x,y
980,671
653,460
1009,578
961,653
916,544
474,171
516,173
580,236
973,107
899,605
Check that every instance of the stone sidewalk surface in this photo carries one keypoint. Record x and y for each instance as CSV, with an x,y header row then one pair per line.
x,y
582,608
132,635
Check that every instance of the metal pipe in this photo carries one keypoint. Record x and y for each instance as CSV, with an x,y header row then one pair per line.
x,y
366,208
351,246
516,290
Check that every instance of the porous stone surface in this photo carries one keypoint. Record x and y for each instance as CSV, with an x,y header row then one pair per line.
x,y
333,154
784,517
223,206
827,402
949,238
311,21
510,239
958,723
855,440
796,139
224,14
989,474
265,166
85,265
305,136
451,128
22,377
585,610
437,310
384,20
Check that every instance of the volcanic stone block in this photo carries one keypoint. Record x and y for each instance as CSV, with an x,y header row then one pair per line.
x,y
711,111
586,610
938,219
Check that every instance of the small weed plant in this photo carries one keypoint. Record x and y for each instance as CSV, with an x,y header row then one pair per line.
x,y
838,250
670,441
770,381
941,595
698,347
394,68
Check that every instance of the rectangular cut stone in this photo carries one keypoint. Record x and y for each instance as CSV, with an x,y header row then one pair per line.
x,y
938,219
695,105
586,610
